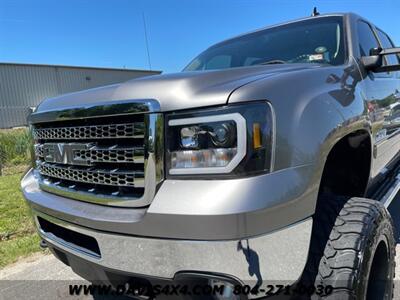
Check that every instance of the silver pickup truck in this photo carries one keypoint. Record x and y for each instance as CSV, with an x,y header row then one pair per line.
x,y
256,165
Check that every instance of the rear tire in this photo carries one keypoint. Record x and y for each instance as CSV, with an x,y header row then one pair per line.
x,y
352,249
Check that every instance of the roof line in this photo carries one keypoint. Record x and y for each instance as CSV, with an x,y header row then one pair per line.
x,y
325,15
79,67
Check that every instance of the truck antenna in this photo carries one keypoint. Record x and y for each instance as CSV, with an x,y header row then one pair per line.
x,y
315,12
146,39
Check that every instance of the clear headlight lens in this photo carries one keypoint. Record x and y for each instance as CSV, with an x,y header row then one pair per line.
x,y
219,141
209,144
201,158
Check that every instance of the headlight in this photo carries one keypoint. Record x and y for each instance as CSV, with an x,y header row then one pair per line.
x,y
231,140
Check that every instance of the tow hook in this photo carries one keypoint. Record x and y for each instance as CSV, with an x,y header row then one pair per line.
x,y
43,244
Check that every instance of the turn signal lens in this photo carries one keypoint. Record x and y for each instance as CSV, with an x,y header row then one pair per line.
x,y
256,136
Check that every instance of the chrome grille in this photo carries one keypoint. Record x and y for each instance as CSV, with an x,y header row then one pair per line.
x,y
103,177
113,154
102,161
134,130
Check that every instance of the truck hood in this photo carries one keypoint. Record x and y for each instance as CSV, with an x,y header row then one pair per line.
x,y
174,91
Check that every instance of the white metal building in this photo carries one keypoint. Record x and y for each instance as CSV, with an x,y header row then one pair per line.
x,y
23,86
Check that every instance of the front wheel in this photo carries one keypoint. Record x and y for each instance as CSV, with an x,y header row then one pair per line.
x,y
353,246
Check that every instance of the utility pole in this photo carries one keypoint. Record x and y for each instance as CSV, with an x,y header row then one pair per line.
x,y
146,40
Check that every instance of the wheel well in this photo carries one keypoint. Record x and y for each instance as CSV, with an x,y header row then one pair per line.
x,y
347,167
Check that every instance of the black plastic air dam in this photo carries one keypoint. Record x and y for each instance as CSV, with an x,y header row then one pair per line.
x,y
69,236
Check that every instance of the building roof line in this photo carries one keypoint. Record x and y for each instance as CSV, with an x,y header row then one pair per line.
x,y
79,67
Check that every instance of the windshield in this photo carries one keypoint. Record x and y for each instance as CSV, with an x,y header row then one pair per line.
x,y
318,40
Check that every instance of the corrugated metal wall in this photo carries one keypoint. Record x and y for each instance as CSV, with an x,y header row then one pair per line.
x,y
24,86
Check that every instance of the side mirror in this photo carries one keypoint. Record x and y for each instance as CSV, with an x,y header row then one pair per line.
x,y
374,62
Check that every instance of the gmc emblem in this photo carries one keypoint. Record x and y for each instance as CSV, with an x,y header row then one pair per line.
x,y
61,153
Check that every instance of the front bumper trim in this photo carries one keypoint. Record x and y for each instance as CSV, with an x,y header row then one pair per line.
x,y
276,257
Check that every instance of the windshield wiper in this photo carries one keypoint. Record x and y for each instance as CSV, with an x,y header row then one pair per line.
x,y
272,62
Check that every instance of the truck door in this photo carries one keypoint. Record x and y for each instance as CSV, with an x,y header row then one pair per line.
x,y
381,91
392,122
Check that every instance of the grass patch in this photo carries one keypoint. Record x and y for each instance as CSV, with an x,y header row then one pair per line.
x,y
18,236
15,147
19,247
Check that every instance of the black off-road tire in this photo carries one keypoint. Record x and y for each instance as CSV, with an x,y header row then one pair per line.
x,y
352,250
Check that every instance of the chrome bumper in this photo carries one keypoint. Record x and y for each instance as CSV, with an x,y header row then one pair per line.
x,y
231,228
275,257
194,209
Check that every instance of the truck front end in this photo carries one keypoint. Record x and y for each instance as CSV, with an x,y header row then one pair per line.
x,y
124,189
195,175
